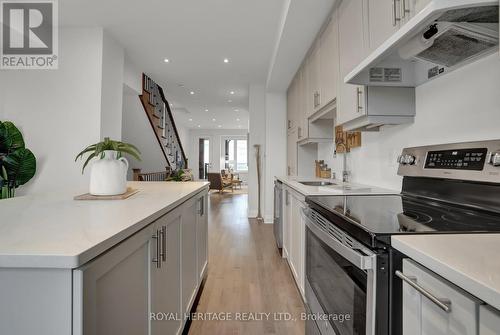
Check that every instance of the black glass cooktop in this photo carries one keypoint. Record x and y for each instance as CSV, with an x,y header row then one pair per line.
x,y
375,218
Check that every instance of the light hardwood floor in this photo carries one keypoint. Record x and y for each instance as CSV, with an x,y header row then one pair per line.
x,y
246,274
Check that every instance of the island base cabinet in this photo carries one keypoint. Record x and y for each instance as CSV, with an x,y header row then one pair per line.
x,y
489,321
202,236
165,312
111,293
421,316
147,283
35,301
189,254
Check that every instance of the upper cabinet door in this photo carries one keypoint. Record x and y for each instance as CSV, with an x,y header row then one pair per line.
x,y
313,80
329,61
352,50
409,8
384,17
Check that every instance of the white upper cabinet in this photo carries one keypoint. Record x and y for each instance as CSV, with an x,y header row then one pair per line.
x,y
409,8
313,79
352,47
329,62
384,17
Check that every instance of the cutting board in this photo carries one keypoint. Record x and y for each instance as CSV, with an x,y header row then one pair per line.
x,y
87,196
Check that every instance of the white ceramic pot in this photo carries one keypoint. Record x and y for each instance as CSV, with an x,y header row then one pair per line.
x,y
108,176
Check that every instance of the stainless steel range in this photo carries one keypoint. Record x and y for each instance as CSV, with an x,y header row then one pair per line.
x,y
351,287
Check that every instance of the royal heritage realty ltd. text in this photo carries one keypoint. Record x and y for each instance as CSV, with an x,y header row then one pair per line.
x,y
248,316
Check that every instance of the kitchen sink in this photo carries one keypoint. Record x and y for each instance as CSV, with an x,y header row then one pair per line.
x,y
316,183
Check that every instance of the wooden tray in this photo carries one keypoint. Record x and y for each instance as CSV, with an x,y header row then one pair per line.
x,y
87,196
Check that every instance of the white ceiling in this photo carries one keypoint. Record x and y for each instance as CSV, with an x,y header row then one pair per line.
x,y
196,36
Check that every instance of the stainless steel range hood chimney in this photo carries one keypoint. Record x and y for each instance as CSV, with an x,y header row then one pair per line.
x,y
444,36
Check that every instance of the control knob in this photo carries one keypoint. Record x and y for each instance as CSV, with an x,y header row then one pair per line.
x,y
495,159
409,159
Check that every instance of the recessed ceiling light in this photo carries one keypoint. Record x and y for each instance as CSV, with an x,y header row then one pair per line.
x,y
226,60
220,126
236,110
230,100
190,120
213,120
166,60
199,126
232,92
171,105
192,92
237,119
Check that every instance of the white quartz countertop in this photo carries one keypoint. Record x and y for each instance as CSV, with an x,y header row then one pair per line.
x,y
339,188
55,231
470,261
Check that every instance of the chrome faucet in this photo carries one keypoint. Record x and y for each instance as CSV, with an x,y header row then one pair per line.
x,y
345,173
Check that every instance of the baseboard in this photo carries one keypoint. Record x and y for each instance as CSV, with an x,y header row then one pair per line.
x,y
252,214
269,219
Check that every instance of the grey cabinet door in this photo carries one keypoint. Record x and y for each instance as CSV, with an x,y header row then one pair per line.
x,y
111,293
166,276
189,269
202,235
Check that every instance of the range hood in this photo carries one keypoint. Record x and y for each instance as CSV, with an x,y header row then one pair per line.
x,y
442,37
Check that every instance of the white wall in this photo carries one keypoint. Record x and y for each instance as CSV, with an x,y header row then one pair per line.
x,y
461,106
112,91
216,141
185,141
58,111
257,131
275,153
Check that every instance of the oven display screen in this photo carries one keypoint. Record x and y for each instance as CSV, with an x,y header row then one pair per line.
x,y
462,159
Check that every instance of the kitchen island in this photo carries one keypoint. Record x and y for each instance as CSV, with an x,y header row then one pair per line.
x,y
101,267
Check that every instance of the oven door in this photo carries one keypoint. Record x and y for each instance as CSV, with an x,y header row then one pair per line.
x,y
340,279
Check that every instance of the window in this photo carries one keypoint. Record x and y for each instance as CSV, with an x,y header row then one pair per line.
x,y
236,155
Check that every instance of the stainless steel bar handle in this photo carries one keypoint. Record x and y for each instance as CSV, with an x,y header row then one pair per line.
x,y
359,93
404,10
396,19
164,244
444,304
359,260
157,259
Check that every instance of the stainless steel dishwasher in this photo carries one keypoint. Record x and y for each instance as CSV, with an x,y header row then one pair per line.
x,y
278,214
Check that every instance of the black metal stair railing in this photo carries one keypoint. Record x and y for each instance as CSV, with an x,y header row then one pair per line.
x,y
160,116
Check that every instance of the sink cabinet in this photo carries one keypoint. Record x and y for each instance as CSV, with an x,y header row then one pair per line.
x,y
294,235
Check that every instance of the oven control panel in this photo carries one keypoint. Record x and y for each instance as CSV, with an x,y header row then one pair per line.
x,y
472,161
460,159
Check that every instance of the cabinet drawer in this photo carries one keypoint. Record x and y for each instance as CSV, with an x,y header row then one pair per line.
x,y
489,321
422,316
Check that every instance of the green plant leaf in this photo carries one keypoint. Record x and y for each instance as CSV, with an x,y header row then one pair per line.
x,y
87,149
92,155
10,137
20,166
131,153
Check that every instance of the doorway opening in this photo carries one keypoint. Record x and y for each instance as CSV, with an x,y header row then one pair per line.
x,y
204,158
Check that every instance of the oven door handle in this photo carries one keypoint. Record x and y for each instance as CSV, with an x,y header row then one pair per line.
x,y
361,261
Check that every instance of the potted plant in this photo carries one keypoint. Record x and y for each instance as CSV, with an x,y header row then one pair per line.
x,y
17,164
108,175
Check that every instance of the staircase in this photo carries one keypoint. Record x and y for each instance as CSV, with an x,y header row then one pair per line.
x,y
160,116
